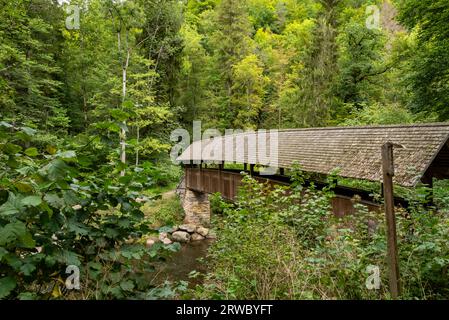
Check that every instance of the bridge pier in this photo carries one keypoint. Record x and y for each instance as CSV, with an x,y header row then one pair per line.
x,y
196,207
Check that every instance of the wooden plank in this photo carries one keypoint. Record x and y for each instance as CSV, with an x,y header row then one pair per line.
x,y
393,261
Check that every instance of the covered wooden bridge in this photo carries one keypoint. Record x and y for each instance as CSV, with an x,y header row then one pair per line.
x,y
421,154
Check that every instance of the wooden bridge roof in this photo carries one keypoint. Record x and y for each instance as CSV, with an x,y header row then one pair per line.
x,y
355,151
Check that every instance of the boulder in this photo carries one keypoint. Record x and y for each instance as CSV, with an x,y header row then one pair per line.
x,y
181,236
202,231
197,237
167,241
190,228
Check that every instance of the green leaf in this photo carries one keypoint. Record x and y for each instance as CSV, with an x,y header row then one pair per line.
x,y
119,115
27,296
3,252
68,258
31,152
111,233
57,170
23,187
54,200
32,201
12,149
16,231
127,285
77,227
7,284
12,206
27,269
5,124
67,155
28,131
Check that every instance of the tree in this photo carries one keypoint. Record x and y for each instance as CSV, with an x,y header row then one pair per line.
x,y
428,77
249,92
29,76
232,42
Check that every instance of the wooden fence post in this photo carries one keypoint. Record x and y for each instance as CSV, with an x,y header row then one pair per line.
x,y
388,174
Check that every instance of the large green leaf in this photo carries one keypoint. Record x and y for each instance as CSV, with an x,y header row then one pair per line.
x,y
11,149
12,206
16,232
54,200
3,252
31,152
57,170
28,131
27,269
32,201
7,284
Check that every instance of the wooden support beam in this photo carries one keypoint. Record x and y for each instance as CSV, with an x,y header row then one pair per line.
x,y
245,167
201,176
281,171
388,174
251,169
220,177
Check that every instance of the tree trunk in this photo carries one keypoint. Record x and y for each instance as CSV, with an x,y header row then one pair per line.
x,y
137,149
123,131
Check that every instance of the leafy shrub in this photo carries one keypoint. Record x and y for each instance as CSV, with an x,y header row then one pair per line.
x,y
55,212
167,211
286,243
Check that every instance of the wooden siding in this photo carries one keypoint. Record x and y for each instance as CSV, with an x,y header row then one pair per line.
x,y
227,183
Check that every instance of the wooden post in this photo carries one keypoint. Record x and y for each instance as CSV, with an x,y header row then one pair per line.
x,y
220,177
281,171
201,177
388,174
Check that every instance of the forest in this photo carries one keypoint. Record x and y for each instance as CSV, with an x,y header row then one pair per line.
x,y
91,90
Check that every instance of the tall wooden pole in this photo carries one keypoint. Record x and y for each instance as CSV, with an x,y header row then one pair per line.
x,y
393,261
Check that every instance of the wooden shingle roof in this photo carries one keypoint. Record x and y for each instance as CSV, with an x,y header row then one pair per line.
x,y
355,151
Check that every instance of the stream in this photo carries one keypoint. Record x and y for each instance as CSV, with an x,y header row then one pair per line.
x,y
182,263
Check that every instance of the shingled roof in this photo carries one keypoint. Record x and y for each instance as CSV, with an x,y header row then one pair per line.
x,y
355,151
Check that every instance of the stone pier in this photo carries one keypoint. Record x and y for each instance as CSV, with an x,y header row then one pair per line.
x,y
197,208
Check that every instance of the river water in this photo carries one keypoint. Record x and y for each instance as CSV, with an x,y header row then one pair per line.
x,y
182,263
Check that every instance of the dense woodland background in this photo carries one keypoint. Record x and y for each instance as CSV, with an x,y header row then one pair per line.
x,y
85,122
233,64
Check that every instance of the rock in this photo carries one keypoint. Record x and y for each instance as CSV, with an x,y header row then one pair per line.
x,y
197,237
167,241
129,241
190,228
150,243
202,231
163,236
181,236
